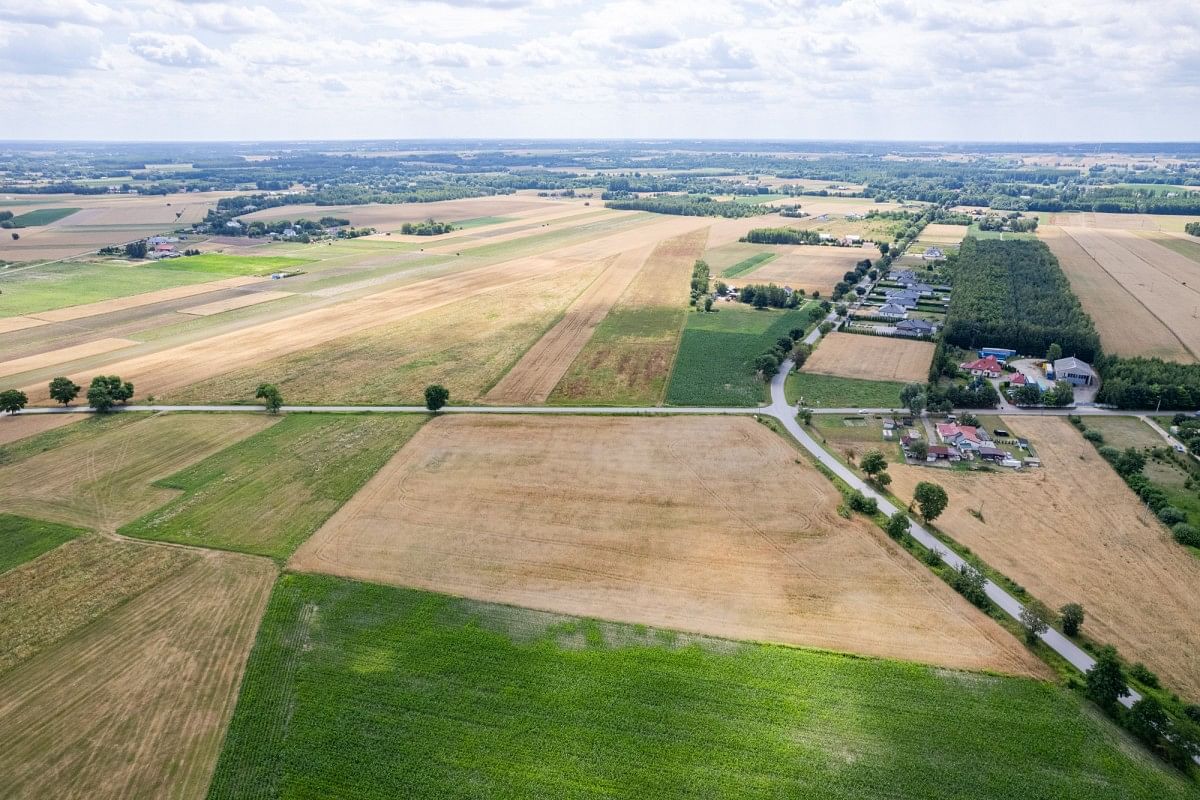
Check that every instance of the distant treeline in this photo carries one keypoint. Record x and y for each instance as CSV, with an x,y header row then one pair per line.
x,y
1012,293
427,228
782,236
1147,382
689,206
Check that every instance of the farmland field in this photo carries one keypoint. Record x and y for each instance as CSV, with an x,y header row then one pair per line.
x,y
23,539
573,515
1097,545
1141,295
268,493
748,265
130,699
99,473
230,266
466,345
20,426
628,359
880,358
809,267
715,365
356,690
43,216
829,391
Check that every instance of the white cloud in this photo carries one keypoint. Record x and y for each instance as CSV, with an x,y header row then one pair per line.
x,y
173,50
804,68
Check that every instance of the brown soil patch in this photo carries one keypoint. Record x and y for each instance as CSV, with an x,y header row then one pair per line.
x,y
620,519
813,268
1072,532
63,355
138,300
943,234
1163,283
136,704
665,280
103,481
19,426
241,301
873,358
12,324
543,365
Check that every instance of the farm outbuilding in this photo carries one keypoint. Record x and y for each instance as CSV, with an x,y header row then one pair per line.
x,y
1074,371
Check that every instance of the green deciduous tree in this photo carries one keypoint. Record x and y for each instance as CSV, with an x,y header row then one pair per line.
x,y
1071,617
898,525
1105,680
436,396
64,390
270,396
931,499
1035,619
106,391
12,400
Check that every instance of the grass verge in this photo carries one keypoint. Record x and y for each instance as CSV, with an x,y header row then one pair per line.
x,y
23,539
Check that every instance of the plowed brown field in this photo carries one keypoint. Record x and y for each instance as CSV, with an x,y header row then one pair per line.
x,y
626,519
809,267
1073,532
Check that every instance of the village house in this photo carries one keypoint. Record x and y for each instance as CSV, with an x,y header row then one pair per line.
x,y
933,254
987,367
915,327
964,437
942,452
892,311
1074,371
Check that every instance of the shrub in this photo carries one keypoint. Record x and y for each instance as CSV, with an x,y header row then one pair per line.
x,y
969,582
1142,674
1186,534
864,505
1071,616
1170,515
1095,437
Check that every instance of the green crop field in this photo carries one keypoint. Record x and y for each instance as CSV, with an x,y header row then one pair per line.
x,y
69,284
748,265
365,691
828,391
715,365
43,216
23,539
479,222
230,266
268,493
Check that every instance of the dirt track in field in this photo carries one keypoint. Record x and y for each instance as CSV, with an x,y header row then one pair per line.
x,y
240,301
1096,545
809,267
175,367
534,377
629,520
1156,282
872,358
135,705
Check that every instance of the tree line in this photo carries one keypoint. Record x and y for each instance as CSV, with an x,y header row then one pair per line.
x,y
1148,383
1012,293
690,206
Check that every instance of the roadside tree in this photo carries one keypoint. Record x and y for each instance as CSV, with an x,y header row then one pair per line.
x,y
12,400
64,390
269,394
931,499
436,396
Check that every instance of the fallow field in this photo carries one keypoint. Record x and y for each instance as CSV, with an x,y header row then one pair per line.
x,y
371,692
877,358
577,516
813,268
1073,532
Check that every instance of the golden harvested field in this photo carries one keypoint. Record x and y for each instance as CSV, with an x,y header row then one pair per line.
x,y
99,476
466,346
813,268
241,301
873,358
943,234
523,224
175,367
1072,531
134,704
1142,295
1107,221
19,426
13,324
629,356
63,355
534,377
579,516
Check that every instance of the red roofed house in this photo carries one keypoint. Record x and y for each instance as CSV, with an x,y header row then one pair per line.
x,y
1017,379
939,451
987,367
965,437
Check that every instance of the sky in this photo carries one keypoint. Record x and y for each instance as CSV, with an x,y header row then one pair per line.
x,y
1001,70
